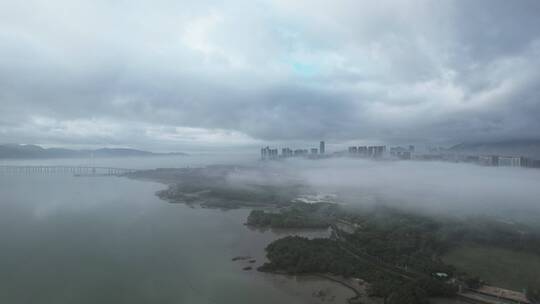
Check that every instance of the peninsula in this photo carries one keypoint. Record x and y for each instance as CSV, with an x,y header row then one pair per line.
x,y
403,256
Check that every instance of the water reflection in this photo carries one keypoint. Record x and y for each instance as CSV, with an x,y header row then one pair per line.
x,y
110,240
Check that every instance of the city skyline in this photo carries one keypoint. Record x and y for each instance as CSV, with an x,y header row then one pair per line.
x,y
410,152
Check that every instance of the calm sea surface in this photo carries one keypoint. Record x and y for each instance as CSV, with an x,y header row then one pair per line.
x,y
68,239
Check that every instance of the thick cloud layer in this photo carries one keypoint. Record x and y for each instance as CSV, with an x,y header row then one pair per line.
x,y
172,73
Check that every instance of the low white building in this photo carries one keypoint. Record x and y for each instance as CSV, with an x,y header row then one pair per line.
x,y
511,161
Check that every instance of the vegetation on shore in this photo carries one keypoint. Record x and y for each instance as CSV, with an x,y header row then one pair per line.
x,y
213,187
225,197
399,253
299,215
506,268
533,291
298,255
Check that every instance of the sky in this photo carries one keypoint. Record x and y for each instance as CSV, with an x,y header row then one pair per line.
x,y
178,75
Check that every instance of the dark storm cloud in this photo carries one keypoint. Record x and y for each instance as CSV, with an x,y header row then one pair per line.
x,y
167,73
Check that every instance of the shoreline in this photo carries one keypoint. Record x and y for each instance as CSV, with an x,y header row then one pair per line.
x,y
330,278
171,180
357,294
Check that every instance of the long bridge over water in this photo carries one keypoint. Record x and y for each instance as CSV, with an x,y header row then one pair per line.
x,y
75,170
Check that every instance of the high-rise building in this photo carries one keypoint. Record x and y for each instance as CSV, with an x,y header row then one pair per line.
x,y
265,153
488,160
321,147
376,151
371,151
300,152
273,153
362,150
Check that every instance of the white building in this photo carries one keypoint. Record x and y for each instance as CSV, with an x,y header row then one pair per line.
x,y
511,161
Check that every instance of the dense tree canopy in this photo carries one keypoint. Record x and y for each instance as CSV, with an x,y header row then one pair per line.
x,y
297,215
533,291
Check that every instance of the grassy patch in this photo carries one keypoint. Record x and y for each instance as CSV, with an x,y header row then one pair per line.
x,y
500,267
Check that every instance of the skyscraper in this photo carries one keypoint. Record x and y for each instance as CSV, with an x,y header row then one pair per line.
x,y
321,147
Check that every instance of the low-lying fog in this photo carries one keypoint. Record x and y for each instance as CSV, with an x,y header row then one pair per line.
x,y
432,187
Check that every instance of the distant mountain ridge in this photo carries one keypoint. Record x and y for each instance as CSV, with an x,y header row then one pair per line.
x,y
527,148
18,151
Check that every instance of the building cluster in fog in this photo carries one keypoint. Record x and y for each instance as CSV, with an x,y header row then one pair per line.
x,y
401,153
268,153
377,152
367,151
491,160
506,161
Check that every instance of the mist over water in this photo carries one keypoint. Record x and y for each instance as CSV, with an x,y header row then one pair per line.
x,y
141,163
72,239
437,188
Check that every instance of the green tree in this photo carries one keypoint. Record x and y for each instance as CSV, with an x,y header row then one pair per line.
x,y
533,291
473,282
408,294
